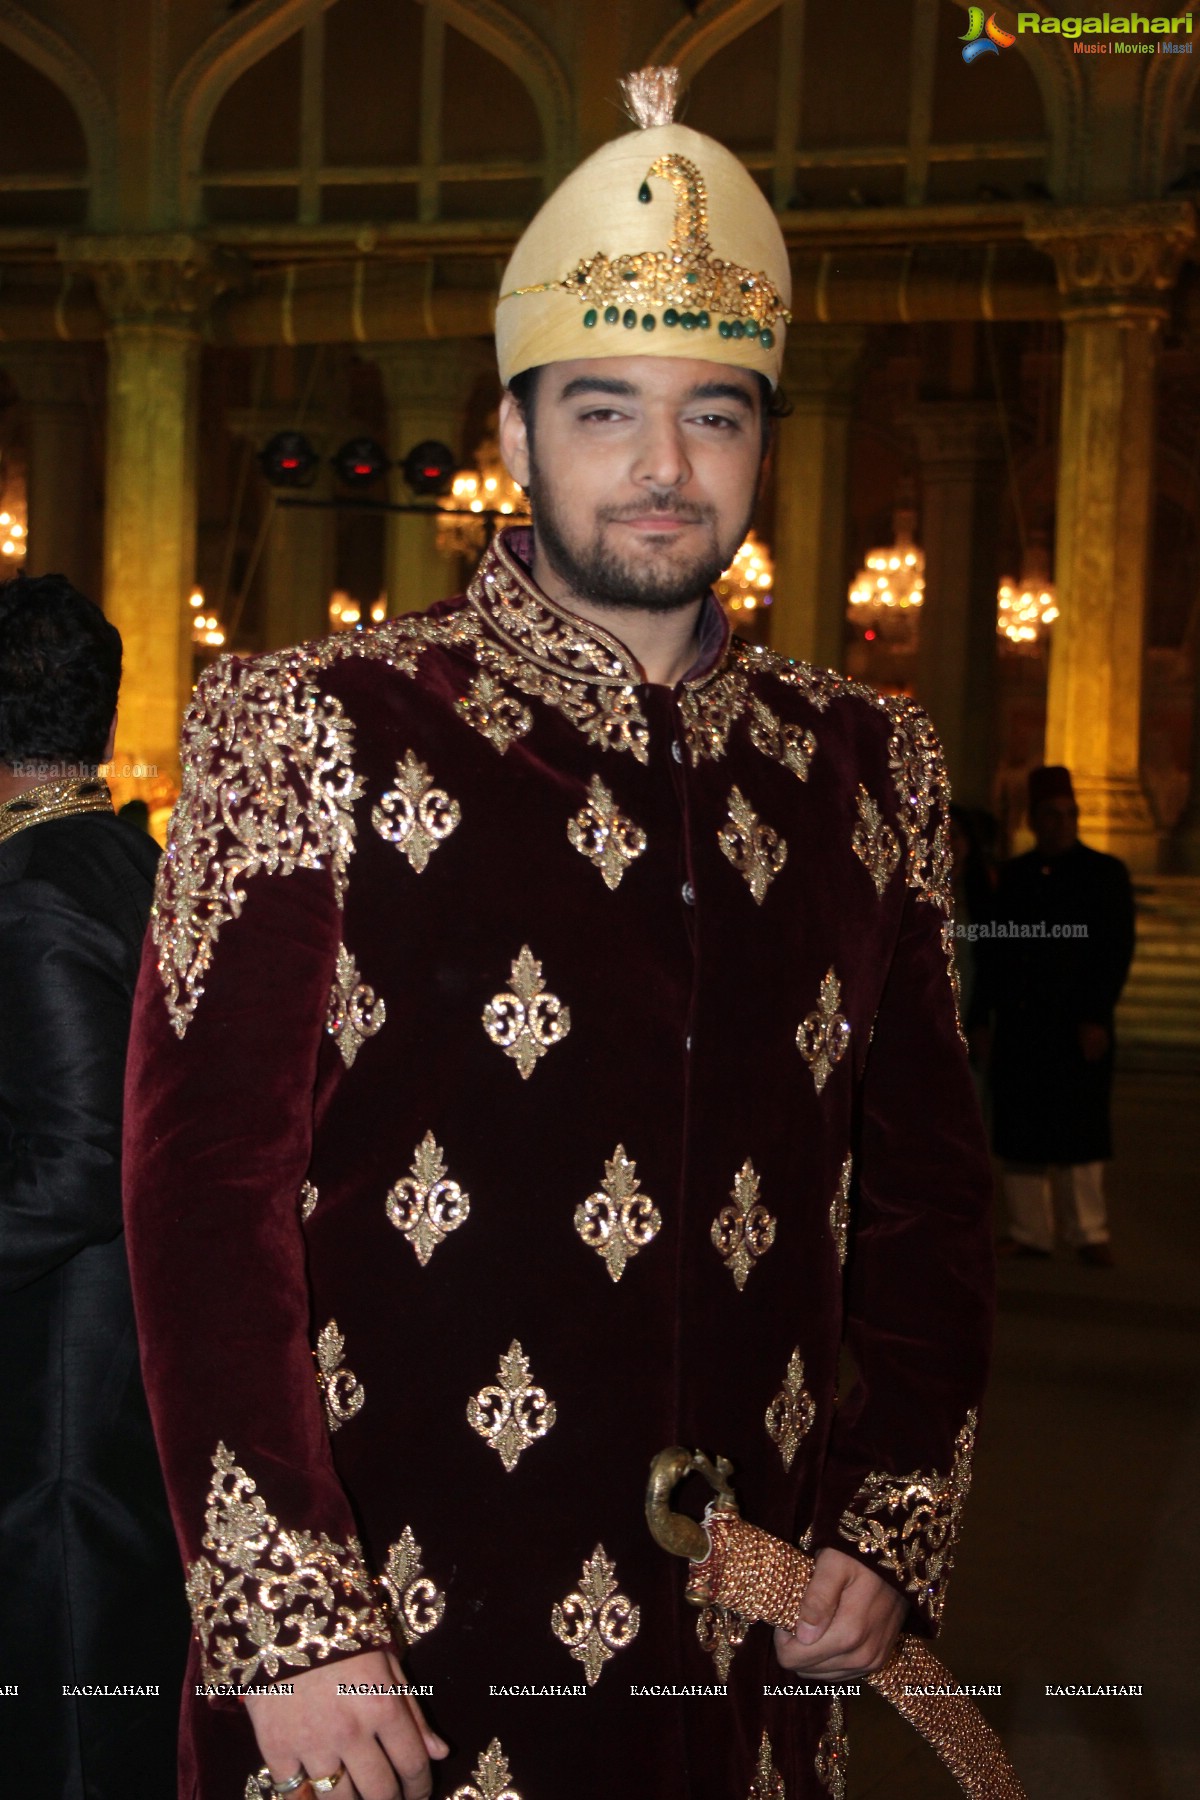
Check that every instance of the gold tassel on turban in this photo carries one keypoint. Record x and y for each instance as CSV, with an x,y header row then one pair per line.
x,y
660,244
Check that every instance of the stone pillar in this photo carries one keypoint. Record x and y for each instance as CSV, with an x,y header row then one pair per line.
x,y
427,387
820,372
959,450
1115,269
63,486
153,291
299,558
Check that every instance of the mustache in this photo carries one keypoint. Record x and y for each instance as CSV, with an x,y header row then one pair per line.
x,y
657,506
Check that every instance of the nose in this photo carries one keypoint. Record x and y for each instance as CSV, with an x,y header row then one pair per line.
x,y
661,460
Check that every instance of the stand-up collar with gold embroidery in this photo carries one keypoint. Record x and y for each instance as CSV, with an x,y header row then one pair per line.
x,y
53,800
559,642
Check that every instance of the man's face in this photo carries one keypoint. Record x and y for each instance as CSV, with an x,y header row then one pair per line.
x,y
642,473
1056,825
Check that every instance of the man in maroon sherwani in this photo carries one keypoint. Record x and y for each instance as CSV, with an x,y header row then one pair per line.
x,y
546,1052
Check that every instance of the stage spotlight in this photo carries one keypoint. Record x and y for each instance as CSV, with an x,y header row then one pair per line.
x,y
288,460
360,463
429,467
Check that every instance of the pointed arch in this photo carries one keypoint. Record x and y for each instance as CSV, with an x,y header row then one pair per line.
x,y
259,28
1166,98
55,57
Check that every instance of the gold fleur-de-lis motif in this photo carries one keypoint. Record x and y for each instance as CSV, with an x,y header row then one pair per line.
x,y
417,1604
768,1782
491,1780
833,1752
874,842
528,1021
308,1199
424,1205
353,1013
602,833
415,815
790,745
839,1211
745,1231
823,1037
595,1621
343,1391
791,1412
721,1631
494,713
755,850
618,1221
511,1413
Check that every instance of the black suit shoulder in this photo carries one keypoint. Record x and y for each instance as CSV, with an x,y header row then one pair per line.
x,y
91,864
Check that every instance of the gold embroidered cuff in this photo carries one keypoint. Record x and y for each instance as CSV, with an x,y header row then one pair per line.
x,y
911,1523
270,1600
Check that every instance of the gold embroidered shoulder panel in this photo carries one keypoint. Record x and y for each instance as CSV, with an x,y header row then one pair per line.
x,y
911,1523
268,787
269,1600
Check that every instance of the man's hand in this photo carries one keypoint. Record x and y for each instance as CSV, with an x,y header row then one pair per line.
x,y
849,1620
382,1739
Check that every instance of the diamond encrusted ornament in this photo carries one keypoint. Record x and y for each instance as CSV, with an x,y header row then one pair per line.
x,y
756,851
823,1037
745,1231
527,1021
618,1221
425,1205
602,833
414,814
595,1621
791,1412
512,1412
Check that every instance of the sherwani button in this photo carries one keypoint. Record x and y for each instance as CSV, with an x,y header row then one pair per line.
x,y
689,894
676,750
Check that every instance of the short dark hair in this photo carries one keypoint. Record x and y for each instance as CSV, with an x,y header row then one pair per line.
x,y
60,671
773,402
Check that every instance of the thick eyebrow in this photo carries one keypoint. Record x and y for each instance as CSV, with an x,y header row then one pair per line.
x,y
625,390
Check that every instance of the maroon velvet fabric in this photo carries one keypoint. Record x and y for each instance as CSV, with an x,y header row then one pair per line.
x,y
682,1048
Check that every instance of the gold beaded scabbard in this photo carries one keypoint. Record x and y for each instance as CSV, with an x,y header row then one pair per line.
x,y
735,1565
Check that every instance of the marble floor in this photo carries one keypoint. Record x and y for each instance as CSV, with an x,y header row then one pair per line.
x,y
1080,1558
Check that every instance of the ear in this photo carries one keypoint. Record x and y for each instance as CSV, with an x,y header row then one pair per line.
x,y
514,439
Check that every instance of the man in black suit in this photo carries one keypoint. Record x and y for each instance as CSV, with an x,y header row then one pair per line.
x,y
91,1635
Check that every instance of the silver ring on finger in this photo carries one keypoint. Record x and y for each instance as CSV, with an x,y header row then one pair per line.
x,y
290,1783
325,1784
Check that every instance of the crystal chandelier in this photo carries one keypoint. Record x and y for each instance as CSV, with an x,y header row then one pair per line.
x,y
206,627
889,589
1024,613
747,582
476,496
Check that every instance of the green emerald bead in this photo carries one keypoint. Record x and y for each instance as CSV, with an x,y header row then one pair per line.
x,y
703,321
766,338
644,193
629,275
737,329
611,315
691,275
589,318
751,328
648,322
747,287
688,321
723,327
670,317
629,319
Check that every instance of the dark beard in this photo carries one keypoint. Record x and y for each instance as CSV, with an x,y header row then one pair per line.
x,y
597,574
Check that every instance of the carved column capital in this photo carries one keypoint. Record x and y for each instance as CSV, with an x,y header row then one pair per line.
x,y
164,279
1115,261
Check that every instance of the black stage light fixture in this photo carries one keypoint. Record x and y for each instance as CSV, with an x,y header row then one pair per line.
x,y
288,460
429,467
360,463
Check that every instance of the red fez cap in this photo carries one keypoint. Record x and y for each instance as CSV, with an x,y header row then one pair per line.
x,y
1050,783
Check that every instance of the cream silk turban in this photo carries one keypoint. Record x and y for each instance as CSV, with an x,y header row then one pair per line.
x,y
660,244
